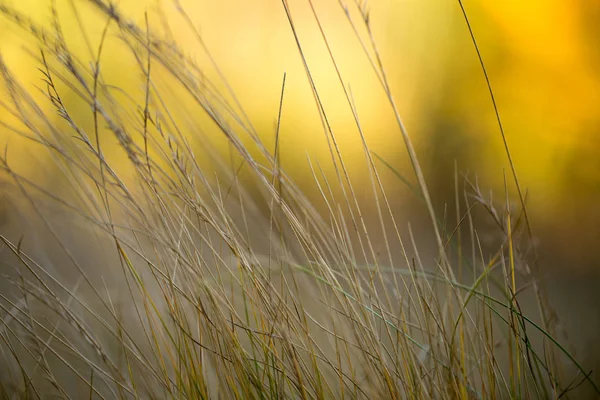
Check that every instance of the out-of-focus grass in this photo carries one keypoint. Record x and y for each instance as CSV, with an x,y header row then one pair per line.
x,y
159,272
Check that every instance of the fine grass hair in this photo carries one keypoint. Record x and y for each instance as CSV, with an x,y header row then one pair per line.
x,y
165,253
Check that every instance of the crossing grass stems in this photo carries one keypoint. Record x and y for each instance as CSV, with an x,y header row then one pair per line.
x,y
196,283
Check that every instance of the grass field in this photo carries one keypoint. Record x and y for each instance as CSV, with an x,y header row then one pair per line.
x,y
173,266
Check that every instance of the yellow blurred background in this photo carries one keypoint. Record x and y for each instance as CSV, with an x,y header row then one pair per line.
x,y
542,57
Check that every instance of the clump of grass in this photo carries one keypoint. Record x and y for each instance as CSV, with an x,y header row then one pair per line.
x,y
165,276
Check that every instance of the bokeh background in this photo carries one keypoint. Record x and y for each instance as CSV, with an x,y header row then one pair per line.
x,y
542,57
